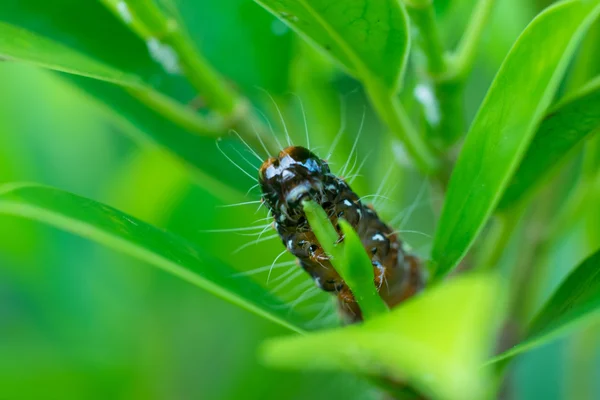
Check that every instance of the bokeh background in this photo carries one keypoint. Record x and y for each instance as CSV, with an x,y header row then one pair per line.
x,y
78,321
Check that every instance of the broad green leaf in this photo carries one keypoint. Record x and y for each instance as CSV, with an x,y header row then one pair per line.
x,y
576,301
567,124
505,124
147,243
434,342
348,257
369,38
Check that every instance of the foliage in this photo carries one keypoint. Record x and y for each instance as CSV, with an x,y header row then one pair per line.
x,y
202,89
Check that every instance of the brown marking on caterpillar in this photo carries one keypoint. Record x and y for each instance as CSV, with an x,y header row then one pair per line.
x,y
298,174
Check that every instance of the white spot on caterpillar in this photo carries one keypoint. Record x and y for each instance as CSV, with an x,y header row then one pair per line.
x,y
379,237
318,282
124,12
425,95
348,203
290,244
164,55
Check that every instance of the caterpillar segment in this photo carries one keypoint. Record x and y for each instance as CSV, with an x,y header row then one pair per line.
x,y
298,174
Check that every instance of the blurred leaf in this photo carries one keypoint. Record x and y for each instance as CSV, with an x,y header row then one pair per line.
x,y
242,41
164,250
435,342
19,44
505,124
348,257
576,301
566,125
214,171
84,28
370,39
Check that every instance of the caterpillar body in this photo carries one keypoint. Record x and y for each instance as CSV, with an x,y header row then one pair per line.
x,y
297,174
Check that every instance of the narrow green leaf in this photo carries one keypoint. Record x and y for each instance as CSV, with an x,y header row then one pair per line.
x,y
577,300
568,124
348,258
505,124
82,33
358,273
369,38
21,45
434,342
147,243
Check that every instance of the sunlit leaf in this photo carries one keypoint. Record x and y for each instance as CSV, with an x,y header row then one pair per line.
x,y
505,125
434,342
128,235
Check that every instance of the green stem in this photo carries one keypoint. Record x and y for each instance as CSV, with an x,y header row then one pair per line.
x,y
426,36
440,98
464,56
392,113
169,45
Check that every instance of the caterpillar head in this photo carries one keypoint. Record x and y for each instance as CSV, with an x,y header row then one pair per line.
x,y
294,175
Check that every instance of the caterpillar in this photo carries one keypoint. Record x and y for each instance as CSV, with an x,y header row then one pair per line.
x,y
297,174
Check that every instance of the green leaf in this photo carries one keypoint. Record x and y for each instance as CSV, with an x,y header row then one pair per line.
x,y
243,29
568,124
21,45
505,124
212,169
65,44
147,243
370,39
349,259
75,36
359,275
435,342
577,300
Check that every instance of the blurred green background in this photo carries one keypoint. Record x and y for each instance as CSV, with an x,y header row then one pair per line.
x,y
78,321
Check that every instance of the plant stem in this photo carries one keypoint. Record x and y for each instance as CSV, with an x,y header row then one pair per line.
x,y
426,36
392,113
464,55
440,98
169,45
